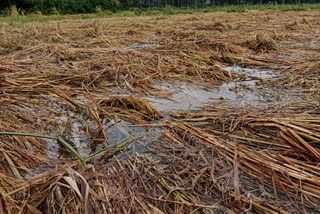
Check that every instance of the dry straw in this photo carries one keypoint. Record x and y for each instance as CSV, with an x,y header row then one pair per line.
x,y
80,76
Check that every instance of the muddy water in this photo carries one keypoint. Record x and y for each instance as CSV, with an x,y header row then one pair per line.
x,y
312,44
239,93
121,131
141,46
74,124
53,148
242,92
117,131
252,72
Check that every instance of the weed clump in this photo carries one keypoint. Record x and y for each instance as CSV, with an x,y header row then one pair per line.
x,y
168,10
13,12
103,12
54,11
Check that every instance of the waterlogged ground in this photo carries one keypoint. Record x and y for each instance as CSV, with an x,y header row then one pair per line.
x,y
242,92
247,90
117,131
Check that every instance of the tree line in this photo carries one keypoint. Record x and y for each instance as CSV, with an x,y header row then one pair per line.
x,y
90,6
202,3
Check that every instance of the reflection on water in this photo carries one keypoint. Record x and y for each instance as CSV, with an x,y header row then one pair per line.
x,y
189,96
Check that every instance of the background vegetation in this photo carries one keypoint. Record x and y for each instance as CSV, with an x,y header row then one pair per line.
x,y
91,6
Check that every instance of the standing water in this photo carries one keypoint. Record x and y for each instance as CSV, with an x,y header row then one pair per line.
x,y
189,96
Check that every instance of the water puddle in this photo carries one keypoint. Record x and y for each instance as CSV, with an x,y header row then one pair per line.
x,y
314,43
53,148
119,132
75,133
85,135
289,56
142,45
80,139
153,33
251,72
240,93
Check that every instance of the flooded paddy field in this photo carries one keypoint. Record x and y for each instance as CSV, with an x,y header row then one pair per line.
x,y
200,113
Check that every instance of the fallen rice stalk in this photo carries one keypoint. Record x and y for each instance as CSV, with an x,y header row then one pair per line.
x,y
59,139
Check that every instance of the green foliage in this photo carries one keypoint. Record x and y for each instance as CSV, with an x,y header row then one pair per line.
x,y
64,6
103,12
54,11
14,15
126,13
13,12
142,7
137,11
169,10
99,11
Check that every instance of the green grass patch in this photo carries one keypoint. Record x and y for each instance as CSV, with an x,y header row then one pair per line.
x,y
15,16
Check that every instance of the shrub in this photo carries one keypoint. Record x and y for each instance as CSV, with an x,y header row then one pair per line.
x,y
103,12
13,11
168,10
54,11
